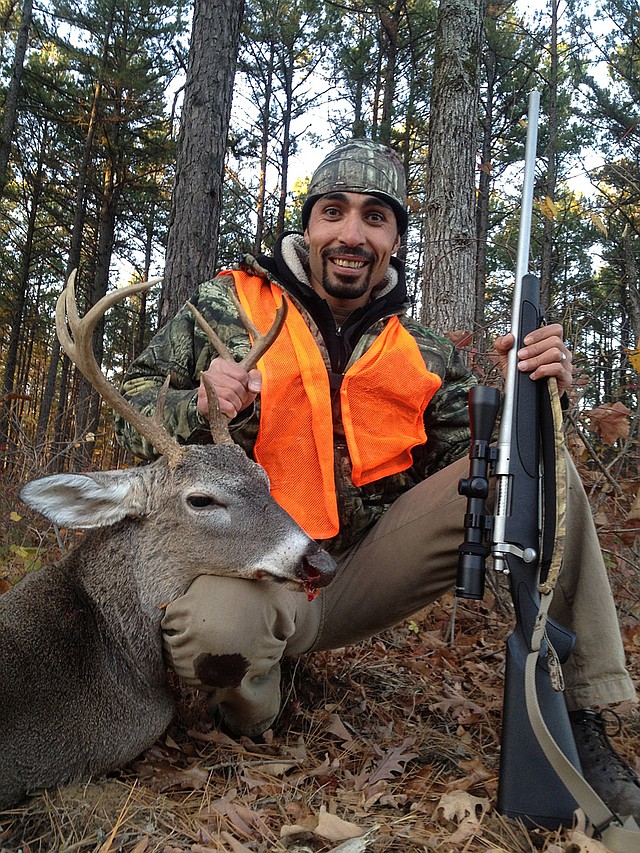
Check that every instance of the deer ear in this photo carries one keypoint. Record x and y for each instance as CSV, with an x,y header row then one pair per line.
x,y
86,500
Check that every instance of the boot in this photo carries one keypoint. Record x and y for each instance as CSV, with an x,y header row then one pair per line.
x,y
617,785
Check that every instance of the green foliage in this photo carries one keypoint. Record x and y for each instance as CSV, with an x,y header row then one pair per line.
x,y
98,89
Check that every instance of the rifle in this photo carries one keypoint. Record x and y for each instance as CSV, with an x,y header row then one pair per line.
x,y
529,787
540,776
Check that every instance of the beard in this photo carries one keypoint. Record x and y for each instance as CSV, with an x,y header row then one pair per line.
x,y
347,286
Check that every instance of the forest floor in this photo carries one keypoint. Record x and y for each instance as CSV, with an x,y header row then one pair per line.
x,y
390,745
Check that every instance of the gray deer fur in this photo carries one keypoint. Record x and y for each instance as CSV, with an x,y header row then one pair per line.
x,y
82,678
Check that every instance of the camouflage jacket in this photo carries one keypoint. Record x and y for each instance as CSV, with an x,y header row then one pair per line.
x,y
182,350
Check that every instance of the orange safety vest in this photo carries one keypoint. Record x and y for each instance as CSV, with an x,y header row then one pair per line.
x,y
383,398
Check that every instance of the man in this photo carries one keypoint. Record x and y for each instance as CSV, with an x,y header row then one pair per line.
x,y
359,415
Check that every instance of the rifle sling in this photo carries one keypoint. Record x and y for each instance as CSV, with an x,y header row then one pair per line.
x,y
554,486
617,837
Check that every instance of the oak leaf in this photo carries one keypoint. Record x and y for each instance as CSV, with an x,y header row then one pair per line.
x,y
463,810
326,825
610,421
458,805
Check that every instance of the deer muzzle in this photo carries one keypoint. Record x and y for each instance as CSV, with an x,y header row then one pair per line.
x,y
316,570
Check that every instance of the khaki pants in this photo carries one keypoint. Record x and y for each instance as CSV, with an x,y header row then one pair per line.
x,y
227,636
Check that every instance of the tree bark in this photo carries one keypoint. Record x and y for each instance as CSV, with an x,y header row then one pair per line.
x,y
73,262
265,126
197,194
450,241
11,105
548,234
8,408
482,209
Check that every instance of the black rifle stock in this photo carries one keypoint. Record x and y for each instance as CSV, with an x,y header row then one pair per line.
x,y
529,787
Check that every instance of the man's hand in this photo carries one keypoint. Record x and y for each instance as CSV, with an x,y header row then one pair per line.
x,y
236,389
544,354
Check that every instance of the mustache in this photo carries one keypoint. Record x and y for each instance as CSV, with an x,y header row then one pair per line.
x,y
347,251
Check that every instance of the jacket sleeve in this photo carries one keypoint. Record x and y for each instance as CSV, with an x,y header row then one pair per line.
x,y
180,350
447,415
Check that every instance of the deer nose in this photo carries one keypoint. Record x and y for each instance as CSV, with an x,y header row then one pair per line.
x,y
319,568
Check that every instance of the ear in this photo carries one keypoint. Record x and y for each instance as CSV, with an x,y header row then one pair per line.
x,y
86,500
396,245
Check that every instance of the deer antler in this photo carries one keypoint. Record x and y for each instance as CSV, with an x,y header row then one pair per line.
x,y
76,342
219,423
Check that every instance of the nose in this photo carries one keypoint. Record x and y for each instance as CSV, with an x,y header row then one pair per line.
x,y
317,566
351,230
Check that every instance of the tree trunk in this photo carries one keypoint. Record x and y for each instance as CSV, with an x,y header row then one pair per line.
x,y
450,239
265,125
287,82
482,209
389,20
631,290
11,104
87,409
546,263
197,194
73,261
19,301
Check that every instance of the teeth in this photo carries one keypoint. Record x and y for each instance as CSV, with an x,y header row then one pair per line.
x,y
353,265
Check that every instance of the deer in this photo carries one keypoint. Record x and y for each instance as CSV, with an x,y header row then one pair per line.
x,y
83,683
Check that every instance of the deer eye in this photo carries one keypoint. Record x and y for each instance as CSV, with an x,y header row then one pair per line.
x,y
201,501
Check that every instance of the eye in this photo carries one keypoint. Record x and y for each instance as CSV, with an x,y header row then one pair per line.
x,y
202,501
378,216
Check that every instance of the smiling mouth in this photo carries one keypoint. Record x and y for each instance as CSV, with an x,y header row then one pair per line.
x,y
349,264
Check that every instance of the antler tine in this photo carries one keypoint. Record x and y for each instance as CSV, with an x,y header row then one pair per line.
x,y
261,343
219,423
75,333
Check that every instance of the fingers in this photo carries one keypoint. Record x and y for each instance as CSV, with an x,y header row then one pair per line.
x,y
545,355
235,388
503,344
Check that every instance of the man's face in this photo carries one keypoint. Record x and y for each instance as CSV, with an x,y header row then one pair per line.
x,y
351,237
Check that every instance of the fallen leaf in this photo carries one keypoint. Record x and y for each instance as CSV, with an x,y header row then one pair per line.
x,y
338,728
356,845
580,843
326,825
234,844
458,805
634,512
393,761
275,768
610,421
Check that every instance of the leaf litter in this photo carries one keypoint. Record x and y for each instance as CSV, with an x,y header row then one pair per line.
x,y
389,745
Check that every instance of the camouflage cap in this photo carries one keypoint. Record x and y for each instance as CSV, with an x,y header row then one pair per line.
x,y
361,166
